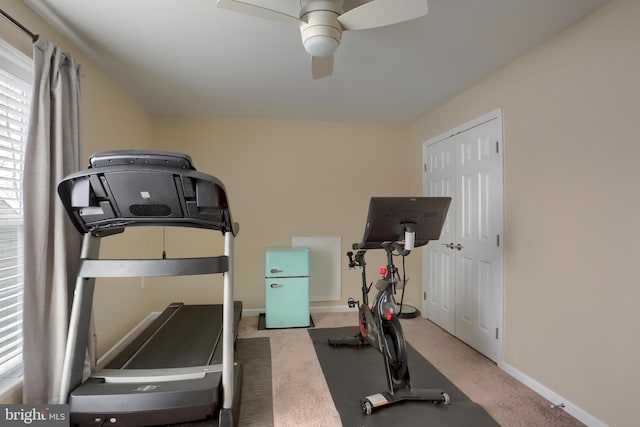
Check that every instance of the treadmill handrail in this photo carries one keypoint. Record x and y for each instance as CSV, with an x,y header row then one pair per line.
x,y
153,267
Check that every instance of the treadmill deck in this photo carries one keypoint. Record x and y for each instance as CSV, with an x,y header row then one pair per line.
x,y
182,337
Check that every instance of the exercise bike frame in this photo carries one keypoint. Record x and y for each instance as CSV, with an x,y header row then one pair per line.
x,y
380,327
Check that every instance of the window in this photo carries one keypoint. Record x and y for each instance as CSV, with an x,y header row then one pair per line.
x,y
15,97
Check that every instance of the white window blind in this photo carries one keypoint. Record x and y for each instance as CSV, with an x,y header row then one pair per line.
x,y
15,97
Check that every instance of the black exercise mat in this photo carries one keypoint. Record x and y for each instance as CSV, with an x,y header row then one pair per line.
x,y
256,408
353,373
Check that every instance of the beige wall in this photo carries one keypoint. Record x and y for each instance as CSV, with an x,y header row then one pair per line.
x,y
571,139
285,179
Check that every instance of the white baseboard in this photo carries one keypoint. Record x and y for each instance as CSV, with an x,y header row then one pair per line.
x,y
332,309
572,409
252,311
318,309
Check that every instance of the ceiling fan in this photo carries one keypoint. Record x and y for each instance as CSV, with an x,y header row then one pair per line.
x,y
322,22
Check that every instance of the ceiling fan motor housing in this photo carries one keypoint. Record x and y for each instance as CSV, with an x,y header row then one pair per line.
x,y
321,32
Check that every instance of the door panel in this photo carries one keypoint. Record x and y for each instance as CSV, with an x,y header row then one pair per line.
x,y
440,300
481,222
440,294
473,284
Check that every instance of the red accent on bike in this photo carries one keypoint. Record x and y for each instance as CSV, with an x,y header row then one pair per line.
x,y
388,316
382,271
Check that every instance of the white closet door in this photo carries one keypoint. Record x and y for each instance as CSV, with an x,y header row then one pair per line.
x,y
478,229
464,284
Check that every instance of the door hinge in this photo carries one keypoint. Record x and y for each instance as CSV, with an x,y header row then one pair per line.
x,y
425,166
498,240
497,147
424,296
496,333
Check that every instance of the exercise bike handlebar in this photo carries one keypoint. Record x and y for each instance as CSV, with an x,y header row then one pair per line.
x,y
400,247
352,264
403,247
359,258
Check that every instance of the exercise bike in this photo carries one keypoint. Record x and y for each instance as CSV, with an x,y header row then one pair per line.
x,y
397,225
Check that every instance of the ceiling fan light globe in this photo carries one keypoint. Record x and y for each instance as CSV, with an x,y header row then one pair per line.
x,y
320,45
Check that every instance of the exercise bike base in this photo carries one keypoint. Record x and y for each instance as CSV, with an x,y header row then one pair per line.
x,y
379,400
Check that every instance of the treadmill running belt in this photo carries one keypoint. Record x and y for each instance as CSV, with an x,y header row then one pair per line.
x,y
189,338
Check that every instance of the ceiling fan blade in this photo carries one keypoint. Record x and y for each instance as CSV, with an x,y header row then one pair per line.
x,y
321,66
257,11
379,13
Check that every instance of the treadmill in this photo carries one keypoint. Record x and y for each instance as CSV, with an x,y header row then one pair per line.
x,y
181,368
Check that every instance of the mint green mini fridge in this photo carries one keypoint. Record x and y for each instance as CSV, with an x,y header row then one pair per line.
x,y
287,287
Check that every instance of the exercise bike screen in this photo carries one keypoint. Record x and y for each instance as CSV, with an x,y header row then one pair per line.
x,y
388,217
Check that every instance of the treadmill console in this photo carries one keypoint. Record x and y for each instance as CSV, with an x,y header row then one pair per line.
x,y
131,188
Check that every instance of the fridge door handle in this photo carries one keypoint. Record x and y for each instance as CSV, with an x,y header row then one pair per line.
x,y
276,285
275,270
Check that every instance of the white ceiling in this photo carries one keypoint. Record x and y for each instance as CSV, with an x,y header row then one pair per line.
x,y
187,57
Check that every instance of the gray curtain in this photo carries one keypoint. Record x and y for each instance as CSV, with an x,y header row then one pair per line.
x,y
52,245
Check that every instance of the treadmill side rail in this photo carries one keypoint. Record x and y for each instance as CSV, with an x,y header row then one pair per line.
x,y
115,376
